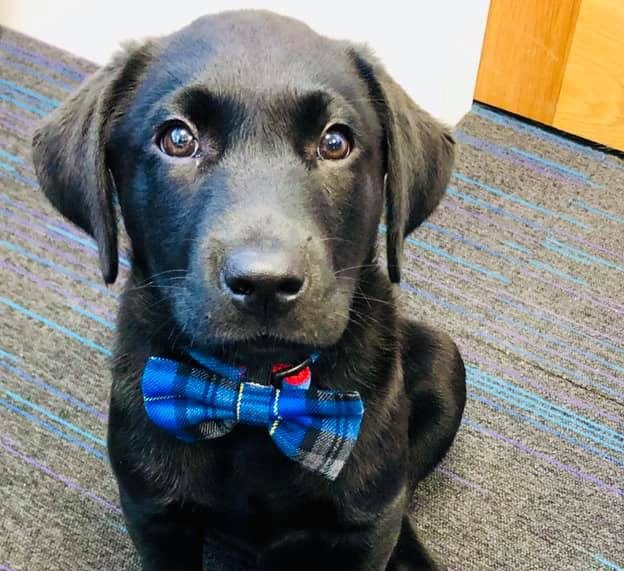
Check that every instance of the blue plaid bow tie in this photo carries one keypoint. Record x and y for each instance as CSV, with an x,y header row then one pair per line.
x,y
317,428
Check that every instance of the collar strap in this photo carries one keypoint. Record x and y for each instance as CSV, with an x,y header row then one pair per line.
x,y
298,375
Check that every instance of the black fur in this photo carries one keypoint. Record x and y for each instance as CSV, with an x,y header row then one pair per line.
x,y
258,90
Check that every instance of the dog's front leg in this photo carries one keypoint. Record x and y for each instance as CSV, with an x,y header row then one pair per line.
x,y
358,548
409,553
167,537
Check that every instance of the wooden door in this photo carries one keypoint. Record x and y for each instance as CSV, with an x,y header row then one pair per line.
x,y
559,62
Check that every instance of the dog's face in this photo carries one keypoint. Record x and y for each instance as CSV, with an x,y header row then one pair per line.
x,y
251,181
249,156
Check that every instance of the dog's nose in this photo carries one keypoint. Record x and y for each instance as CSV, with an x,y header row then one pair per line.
x,y
263,282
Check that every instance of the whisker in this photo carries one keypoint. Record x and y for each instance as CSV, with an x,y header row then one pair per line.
x,y
358,267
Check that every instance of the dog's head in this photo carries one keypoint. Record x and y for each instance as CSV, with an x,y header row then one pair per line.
x,y
251,159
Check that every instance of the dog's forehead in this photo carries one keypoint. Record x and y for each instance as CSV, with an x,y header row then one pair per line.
x,y
257,50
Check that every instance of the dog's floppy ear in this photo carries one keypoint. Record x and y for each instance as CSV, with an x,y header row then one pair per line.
x,y
69,152
419,154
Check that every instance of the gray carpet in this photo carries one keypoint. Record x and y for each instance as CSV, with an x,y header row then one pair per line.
x,y
523,264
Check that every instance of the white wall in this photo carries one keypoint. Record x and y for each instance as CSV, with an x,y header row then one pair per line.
x,y
431,47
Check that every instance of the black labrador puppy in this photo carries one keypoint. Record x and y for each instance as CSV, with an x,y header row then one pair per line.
x,y
251,159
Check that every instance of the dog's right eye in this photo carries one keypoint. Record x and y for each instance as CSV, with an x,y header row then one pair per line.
x,y
177,140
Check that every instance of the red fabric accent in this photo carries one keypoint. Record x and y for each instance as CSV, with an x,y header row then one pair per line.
x,y
299,378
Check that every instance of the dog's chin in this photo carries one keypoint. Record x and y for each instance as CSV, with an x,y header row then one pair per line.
x,y
262,349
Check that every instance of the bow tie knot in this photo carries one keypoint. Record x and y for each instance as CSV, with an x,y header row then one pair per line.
x,y
317,428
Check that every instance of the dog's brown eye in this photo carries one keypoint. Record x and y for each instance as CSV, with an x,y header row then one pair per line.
x,y
335,143
178,141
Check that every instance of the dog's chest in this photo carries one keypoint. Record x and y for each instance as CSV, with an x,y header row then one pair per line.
x,y
251,490
246,461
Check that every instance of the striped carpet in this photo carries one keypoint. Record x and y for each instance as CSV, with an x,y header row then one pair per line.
x,y
523,264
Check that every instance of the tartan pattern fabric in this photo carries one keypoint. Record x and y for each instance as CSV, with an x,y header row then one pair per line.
x,y
317,428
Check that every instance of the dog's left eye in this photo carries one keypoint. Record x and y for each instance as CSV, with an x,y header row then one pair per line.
x,y
336,143
178,141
